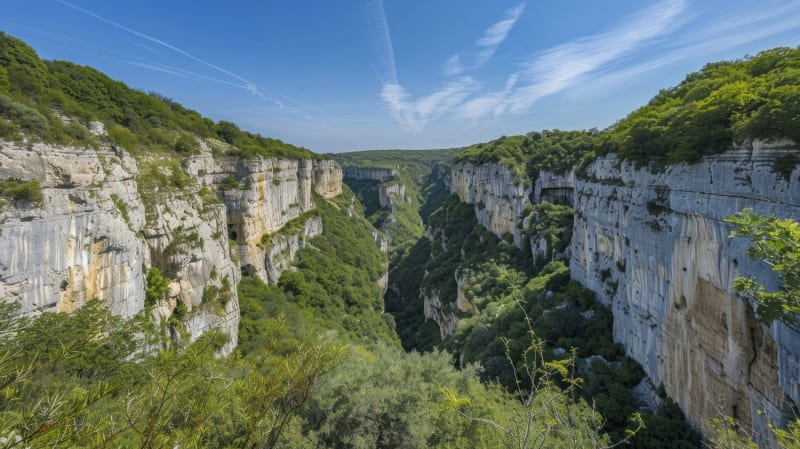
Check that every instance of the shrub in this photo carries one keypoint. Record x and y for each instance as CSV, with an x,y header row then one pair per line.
x,y
187,144
157,286
18,190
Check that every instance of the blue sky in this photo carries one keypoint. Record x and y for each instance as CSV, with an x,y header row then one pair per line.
x,y
363,74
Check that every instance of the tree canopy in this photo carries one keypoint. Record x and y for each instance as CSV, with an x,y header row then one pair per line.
x,y
55,101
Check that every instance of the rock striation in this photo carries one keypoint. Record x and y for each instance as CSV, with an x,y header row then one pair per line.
x,y
654,246
79,246
499,197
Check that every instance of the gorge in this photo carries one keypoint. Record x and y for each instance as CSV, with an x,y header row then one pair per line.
x,y
305,291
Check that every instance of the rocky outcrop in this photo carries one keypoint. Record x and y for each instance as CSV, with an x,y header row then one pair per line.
x,y
499,197
556,188
106,218
445,314
381,241
656,249
439,313
389,193
279,250
371,173
261,196
327,178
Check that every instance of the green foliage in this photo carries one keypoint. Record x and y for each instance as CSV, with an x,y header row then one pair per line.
x,y
553,223
726,102
56,368
382,398
556,151
337,274
725,434
31,88
789,438
26,73
157,286
4,84
186,144
776,242
546,387
28,191
90,380
122,208
334,285
123,137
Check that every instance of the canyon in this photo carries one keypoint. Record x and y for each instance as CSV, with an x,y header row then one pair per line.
x,y
654,246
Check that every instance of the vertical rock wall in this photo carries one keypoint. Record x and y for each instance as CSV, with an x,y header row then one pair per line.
x,y
655,248
499,197
79,246
98,231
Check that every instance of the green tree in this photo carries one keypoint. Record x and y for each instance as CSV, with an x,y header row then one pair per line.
x,y
4,84
157,286
552,413
777,243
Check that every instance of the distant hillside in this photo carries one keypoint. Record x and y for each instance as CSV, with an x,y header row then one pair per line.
x,y
393,158
56,101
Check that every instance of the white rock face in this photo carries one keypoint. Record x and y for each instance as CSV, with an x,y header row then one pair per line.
x,y
98,233
434,309
327,178
270,193
388,194
373,173
498,198
279,250
78,246
655,248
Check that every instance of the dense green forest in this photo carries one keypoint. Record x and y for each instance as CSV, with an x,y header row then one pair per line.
x,y
36,95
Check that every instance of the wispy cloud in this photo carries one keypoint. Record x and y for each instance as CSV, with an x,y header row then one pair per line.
x,y
557,68
548,72
497,34
413,115
242,82
487,44
453,66
728,33
383,41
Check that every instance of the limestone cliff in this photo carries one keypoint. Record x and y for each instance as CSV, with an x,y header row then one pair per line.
x,y
106,218
655,248
499,197
262,195
370,173
79,246
280,249
389,194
